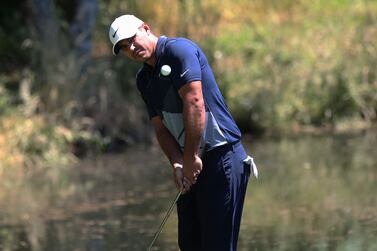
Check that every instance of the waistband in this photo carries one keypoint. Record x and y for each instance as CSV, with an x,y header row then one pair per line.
x,y
233,146
222,148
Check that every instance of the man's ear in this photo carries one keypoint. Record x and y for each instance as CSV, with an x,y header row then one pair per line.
x,y
146,27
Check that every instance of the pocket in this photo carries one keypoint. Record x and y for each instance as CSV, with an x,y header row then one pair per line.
x,y
226,164
225,177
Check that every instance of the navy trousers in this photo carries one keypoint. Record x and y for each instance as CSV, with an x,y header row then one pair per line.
x,y
209,215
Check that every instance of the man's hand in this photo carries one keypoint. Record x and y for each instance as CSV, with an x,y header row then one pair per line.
x,y
192,168
181,184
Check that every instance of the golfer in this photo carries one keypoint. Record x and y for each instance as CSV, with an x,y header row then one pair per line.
x,y
194,129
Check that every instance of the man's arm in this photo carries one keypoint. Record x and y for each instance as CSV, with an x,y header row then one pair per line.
x,y
194,122
172,151
167,142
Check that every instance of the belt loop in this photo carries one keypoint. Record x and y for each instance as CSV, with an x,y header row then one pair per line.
x,y
233,150
234,146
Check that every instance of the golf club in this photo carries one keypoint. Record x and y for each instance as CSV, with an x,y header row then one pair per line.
x,y
164,220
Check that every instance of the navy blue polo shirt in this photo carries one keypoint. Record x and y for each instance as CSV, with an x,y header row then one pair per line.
x,y
160,93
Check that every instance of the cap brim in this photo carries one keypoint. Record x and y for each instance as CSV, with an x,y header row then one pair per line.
x,y
122,36
116,48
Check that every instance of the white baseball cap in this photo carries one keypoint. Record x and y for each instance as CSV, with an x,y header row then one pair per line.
x,y
123,27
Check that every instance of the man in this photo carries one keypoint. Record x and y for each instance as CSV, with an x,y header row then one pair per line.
x,y
194,129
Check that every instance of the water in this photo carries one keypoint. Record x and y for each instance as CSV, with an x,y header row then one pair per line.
x,y
314,193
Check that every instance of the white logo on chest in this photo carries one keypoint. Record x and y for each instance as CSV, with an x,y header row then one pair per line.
x,y
184,73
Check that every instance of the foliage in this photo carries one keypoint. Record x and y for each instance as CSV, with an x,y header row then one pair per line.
x,y
280,64
291,69
26,141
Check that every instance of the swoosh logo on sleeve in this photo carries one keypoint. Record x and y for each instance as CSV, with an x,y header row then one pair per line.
x,y
115,32
184,73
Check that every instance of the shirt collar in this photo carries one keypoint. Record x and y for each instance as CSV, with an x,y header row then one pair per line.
x,y
160,46
159,50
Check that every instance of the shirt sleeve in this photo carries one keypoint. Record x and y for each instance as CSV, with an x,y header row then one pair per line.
x,y
141,85
185,59
151,112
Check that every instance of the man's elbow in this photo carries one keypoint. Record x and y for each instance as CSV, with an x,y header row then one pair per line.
x,y
197,102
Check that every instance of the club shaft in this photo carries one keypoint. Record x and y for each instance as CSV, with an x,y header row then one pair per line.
x,y
164,220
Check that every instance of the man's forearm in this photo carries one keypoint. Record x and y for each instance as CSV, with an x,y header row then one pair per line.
x,y
169,146
193,119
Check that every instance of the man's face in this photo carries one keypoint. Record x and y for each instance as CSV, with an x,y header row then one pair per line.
x,y
139,47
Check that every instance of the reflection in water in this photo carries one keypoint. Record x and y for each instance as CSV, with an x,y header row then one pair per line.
x,y
314,193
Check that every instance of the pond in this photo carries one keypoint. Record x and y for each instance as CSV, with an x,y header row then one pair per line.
x,y
314,193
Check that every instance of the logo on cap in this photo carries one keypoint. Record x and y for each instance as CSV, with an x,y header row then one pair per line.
x,y
115,32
